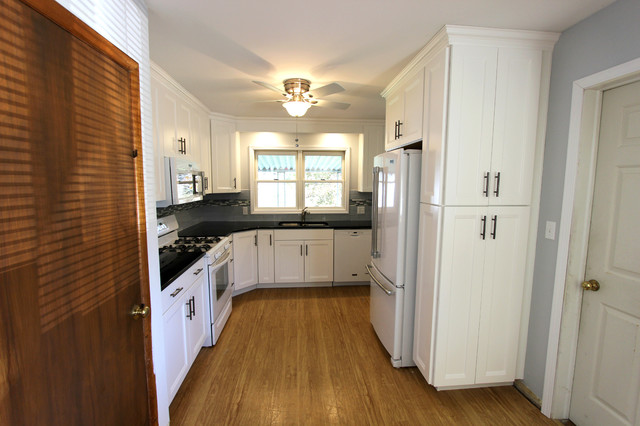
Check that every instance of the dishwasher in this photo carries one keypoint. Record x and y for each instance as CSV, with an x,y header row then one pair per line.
x,y
351,253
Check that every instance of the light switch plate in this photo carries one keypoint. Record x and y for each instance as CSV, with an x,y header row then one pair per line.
x,y
245,210
550,230
360,210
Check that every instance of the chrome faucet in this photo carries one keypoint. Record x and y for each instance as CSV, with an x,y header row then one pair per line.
x,y
303,214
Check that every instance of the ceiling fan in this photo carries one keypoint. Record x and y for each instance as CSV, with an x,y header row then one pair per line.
x,y
298,97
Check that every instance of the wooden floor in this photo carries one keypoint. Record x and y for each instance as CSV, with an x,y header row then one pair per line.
x,y
309,356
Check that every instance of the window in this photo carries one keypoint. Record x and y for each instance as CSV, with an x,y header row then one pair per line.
x,y
288,181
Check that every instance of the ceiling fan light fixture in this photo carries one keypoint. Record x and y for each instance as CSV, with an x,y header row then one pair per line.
x,y
297,106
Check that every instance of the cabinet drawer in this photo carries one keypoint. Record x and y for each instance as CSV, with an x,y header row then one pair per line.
x,y
181,285
302,234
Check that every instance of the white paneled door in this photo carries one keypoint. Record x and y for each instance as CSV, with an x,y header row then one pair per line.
x,y
606,386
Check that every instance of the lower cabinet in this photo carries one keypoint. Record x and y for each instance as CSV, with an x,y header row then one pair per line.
x,y
185,325
245,259
289,261
469,293
265,256
303,256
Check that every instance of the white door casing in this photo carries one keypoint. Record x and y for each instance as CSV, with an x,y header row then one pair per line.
x,y
606,386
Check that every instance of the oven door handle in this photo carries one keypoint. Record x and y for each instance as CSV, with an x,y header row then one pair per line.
x,y
222,260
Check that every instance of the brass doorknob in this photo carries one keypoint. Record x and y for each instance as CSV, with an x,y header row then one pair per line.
x,y
140,311
592,285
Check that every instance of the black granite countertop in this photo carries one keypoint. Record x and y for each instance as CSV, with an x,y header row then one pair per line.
x,y
212,229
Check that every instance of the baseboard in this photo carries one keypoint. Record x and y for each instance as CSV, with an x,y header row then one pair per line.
x,y
527,393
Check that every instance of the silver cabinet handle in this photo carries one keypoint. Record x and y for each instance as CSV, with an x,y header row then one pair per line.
x,y
175,293
197,272
373,277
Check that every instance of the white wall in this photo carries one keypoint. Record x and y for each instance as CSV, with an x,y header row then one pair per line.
x,y
305,140
605,39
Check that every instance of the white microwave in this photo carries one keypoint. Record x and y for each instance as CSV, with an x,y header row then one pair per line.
x,y
185,180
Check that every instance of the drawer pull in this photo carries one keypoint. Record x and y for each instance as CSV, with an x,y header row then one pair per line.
x,y
178,290
198,271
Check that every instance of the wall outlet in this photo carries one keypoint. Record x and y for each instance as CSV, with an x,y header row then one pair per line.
x,y
245,210
360,210
550,231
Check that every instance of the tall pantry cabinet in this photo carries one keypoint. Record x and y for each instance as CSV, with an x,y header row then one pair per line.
x,y
485,99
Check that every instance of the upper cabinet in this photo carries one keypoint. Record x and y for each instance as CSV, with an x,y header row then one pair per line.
x,y
404,111
371,143
482,119
180,129
225,156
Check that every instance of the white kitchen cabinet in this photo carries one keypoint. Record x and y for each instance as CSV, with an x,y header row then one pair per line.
x,y
318,261
490,112
245,259
185,323
483,128
289,261
176,347
370,144
303,256
225,157
404,107
196,312
352,252
265,256
180,128
468,318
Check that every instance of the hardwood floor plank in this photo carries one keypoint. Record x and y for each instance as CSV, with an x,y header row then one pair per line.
x,y
310,356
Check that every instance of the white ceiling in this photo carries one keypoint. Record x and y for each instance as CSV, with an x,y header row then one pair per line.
x,y
216,48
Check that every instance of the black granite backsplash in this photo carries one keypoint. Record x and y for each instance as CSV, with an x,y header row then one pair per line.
x,y
229,207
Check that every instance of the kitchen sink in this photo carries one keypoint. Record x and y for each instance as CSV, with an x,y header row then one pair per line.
x,y
300,224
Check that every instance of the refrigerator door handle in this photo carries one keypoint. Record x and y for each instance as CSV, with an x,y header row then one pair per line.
x,y
375,280
375,253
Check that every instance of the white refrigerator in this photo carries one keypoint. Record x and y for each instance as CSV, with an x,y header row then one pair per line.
x,y
394,250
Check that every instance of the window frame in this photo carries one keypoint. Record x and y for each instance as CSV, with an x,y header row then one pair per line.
x,y
300,179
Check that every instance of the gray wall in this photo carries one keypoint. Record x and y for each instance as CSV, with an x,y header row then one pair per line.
x,y
605,39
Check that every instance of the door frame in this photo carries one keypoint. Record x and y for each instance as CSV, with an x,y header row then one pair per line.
x,y
573,234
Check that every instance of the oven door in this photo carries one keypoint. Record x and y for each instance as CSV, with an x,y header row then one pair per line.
x,y
219,284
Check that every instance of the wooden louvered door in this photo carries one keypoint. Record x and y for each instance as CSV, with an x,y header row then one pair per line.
x,y
73,256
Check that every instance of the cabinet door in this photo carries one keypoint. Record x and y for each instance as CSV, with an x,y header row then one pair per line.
x,y
428,256
265,256
352,252
435,90
204,136
393,114
224,149
502,289
184,130
470,125
318,261
289,261
411,122
245,259
196,312
159,134
175,346
371,143
515,126
459,293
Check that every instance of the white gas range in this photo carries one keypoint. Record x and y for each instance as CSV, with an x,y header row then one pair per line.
x,y
177,254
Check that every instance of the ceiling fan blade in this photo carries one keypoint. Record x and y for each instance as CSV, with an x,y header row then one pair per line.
x,y
329,89
270,87
271,101
332,104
